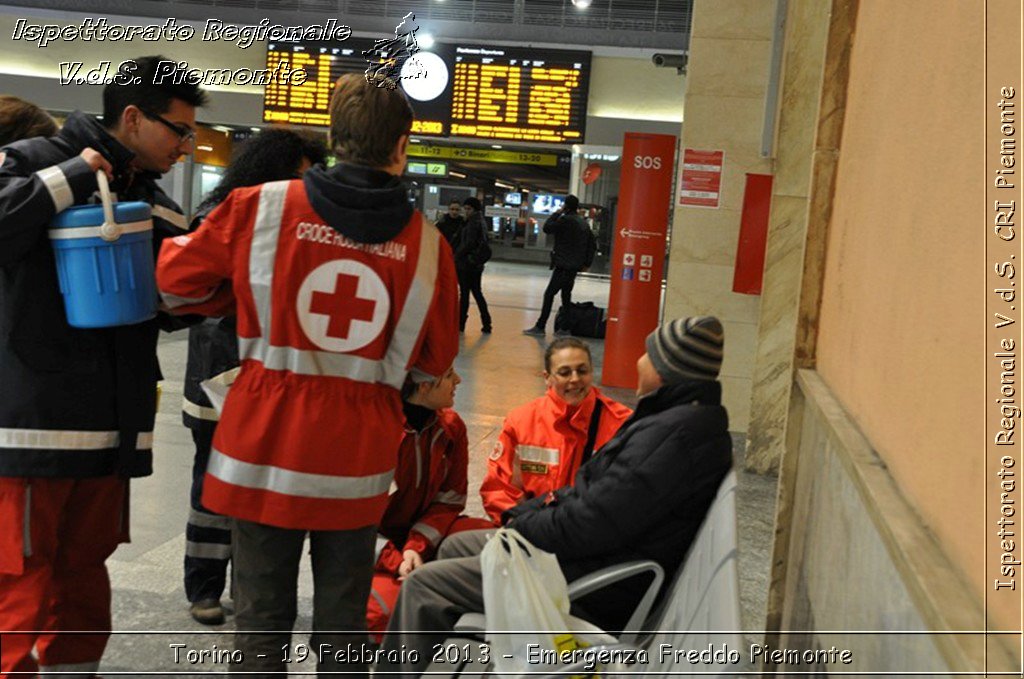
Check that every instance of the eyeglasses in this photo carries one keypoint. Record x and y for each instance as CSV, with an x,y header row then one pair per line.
x,y
184,132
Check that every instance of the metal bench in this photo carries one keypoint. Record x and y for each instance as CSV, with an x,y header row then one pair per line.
x,y
701,608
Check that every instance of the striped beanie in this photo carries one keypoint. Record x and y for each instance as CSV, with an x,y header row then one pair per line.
x,y
687,348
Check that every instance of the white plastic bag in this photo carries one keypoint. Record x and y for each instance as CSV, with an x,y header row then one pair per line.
x,y
217,387
525,592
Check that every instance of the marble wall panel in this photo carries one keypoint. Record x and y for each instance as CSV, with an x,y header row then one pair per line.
x,y
736,399
740,340
707,289
732,19
732,68
705,236
728,122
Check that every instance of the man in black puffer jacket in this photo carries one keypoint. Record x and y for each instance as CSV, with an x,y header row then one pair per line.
x,y
644,495
77,406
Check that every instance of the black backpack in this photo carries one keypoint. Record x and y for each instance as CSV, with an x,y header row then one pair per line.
x,y
482,254
583,319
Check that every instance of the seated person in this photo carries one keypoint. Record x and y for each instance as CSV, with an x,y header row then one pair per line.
x,y
644,495
429,495
543,443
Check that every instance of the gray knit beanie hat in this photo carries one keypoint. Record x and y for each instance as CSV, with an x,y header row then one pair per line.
x,y
687,348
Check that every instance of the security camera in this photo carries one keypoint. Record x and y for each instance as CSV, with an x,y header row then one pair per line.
x,y
676,61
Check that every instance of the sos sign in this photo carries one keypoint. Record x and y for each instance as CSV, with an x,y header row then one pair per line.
x,y
638,252
647,162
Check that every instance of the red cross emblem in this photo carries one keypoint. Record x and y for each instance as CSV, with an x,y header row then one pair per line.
x,y
343,306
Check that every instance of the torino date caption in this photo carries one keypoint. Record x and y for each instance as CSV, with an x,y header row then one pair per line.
x,y
183,654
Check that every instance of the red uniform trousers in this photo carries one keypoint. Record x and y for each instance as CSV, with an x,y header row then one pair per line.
x,y
384,591
55,535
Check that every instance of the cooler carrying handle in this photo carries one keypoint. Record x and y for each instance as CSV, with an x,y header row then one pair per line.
x,y
109,230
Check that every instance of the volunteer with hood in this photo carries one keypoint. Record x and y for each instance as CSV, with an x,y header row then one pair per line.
x,y
342,290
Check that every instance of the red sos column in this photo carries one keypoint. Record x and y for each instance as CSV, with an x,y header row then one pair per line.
x,y
638,252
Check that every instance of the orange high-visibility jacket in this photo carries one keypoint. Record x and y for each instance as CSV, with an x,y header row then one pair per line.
x,y
328,329
540,448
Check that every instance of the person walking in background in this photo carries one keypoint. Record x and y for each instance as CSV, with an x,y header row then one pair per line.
x,y
20,119
543,443
471,254
77,406
272,155
573,252
451,223
343,290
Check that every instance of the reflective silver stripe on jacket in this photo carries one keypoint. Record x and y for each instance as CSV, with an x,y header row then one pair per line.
x,y
380,602
390,370
263,252
378,548
429,532
205,520
175,301
208,550
297,484
450,497
168,215
57,439
538,454
57,184
199,412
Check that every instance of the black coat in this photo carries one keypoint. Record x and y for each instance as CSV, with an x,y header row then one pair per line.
x,y
643,495
73,401
575,244
212,349
471,239
450,227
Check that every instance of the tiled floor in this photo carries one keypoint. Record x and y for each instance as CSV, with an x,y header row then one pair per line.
x,y
499,371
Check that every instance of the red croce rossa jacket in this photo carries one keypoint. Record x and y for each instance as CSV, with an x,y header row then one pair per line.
x,y
335,306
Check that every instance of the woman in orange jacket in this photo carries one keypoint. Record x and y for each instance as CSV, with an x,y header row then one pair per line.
x,y
543,443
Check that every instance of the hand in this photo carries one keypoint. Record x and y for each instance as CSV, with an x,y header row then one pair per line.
x,y
411,560
96,161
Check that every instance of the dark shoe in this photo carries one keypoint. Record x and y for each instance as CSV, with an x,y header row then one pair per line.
x,y
535,331
486,330
207,612
563,333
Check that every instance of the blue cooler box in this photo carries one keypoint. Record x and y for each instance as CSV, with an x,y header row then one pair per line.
x,y
105,263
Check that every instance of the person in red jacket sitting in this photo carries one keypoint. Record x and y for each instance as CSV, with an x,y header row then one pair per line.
x,y
429,492
543,443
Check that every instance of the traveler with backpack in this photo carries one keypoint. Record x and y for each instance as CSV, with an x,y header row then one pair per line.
x,y
573,252
471,254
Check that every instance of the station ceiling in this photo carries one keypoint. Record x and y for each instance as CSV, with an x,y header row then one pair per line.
x,y
645,24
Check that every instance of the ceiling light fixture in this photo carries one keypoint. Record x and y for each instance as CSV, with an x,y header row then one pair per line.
x,y
458,175
581,4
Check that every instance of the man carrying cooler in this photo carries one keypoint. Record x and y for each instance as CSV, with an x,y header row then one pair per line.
x,y
76,405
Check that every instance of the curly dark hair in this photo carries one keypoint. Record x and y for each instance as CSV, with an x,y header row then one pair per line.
x,y
20,119
269,156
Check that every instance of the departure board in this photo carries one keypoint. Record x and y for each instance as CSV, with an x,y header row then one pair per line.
x,y
325,62
484,92
520,93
